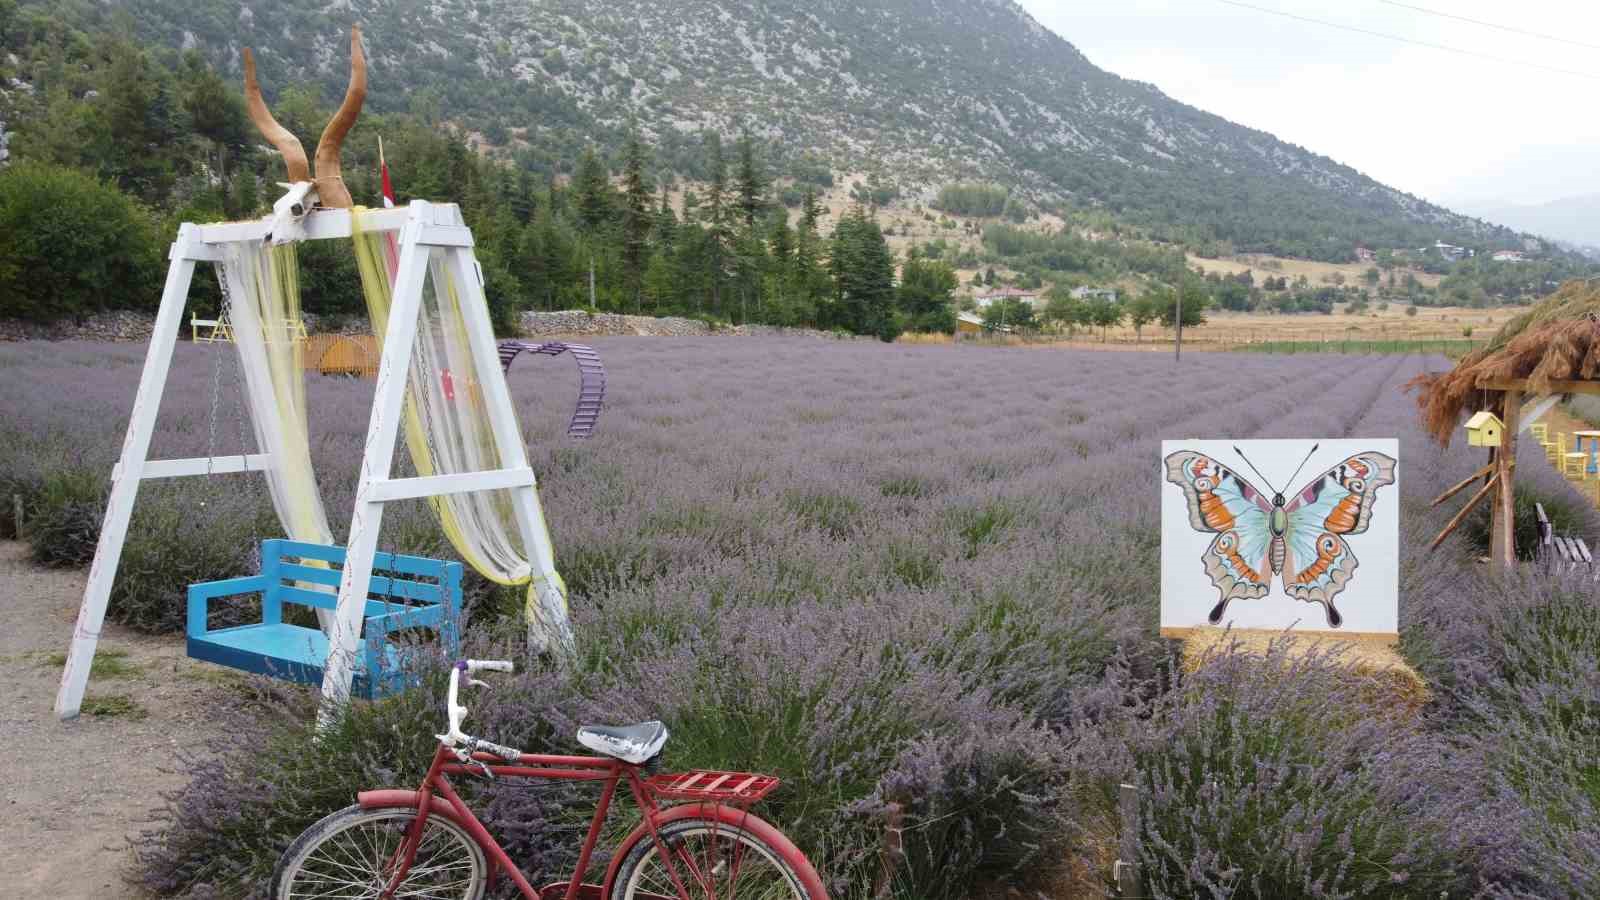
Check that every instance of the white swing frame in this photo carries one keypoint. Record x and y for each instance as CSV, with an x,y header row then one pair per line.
x,y
423,227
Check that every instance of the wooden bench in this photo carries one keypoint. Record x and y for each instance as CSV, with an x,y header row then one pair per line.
x,y
1569,551
407,592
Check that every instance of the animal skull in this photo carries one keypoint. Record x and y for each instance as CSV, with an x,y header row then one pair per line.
x,y
289,212
305,193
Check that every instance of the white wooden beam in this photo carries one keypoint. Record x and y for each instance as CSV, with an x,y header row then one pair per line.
x,y
199,465
438,485
321,224
446,236
383,427
125,488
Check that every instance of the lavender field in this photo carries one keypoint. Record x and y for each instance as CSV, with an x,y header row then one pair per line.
x,y
914,575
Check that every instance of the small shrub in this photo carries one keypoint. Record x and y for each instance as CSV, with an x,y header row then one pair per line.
x,y
182,534
63,524
109,662
112,706
1272,777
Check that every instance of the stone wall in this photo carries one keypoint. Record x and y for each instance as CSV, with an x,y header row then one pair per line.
x,y
577,322
123,325
117,325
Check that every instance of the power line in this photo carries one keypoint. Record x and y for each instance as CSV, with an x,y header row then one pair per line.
x,y
1406,40
1511,28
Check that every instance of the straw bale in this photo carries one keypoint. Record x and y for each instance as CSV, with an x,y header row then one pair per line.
x,y
1377,670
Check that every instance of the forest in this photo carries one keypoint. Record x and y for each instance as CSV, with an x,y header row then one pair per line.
x,y
115,144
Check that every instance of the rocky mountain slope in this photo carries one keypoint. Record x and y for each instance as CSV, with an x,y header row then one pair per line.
x,y
918,92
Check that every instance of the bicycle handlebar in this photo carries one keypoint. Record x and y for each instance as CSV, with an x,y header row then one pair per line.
x,y
457,713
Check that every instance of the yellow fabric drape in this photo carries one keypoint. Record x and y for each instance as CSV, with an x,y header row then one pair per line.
x,y
448,430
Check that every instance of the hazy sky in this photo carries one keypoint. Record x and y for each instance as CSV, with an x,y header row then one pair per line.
x,y
1461,130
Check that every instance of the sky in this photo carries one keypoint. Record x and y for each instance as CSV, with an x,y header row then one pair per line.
x,y
1472,133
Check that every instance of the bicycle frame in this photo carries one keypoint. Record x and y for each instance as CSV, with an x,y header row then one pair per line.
x,y
436,787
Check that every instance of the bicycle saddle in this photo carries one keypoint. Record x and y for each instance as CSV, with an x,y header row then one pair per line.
x,y
633,744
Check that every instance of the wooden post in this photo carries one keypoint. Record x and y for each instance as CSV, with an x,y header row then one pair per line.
x,y
1127,868
1502,540
1177,323
16,511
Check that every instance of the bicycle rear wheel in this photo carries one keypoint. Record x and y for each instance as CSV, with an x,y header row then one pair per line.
x,y
347,855
712,859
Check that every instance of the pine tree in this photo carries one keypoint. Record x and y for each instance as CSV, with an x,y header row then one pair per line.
x,y
719,236
593,191
636,216
666,224
863,273
751,183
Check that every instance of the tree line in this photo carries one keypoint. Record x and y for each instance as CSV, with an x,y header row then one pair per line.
x,y
114,145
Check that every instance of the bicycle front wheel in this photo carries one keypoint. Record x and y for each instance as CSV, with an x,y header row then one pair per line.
x,y
713,859
348,854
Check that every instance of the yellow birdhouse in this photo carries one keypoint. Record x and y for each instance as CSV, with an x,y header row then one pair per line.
x,y
1484,429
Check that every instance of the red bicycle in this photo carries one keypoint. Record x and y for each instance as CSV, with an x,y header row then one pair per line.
x,y
696,839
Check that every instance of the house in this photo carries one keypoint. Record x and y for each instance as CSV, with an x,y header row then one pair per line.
x,y
1029,297
1450,251
1365,255
1089,293
1515,256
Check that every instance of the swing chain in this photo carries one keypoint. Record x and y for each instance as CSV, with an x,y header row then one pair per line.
x,y
216,378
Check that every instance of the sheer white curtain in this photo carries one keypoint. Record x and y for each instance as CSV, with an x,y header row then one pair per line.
x,y
449,431
262,288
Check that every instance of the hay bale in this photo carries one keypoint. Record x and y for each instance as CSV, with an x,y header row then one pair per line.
x,y
1377,671
1558,339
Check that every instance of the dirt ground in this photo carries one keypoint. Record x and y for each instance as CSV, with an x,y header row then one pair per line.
x,y
77,790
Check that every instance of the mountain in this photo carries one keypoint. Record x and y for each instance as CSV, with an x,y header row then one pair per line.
x,y
1574,220
916,93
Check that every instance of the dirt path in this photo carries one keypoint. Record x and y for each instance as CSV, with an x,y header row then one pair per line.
x,y
85,786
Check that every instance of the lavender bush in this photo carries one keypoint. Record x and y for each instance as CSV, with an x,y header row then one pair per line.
x,y
912,575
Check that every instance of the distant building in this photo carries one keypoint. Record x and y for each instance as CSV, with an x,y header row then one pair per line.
x,y
1029,297
1089,293
1365,255
1510,256
1450,251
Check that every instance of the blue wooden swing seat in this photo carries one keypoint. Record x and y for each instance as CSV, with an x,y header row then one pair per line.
x,y
290,572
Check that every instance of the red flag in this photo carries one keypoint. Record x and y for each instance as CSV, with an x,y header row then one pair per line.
x,y
383,167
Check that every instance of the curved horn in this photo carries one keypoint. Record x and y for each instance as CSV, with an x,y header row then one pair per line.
x,y
293,153
330,183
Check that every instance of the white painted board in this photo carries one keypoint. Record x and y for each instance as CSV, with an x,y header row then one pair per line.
x,y
1307,539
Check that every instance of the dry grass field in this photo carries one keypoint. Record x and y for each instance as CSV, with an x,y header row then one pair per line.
x,y
1228,329
1315,272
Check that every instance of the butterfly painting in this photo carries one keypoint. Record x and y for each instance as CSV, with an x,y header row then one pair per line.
x,y
1302,538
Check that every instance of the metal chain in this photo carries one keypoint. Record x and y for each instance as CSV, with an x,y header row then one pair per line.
x,y
216,379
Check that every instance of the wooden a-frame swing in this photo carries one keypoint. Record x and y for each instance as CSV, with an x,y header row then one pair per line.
x,y
434,248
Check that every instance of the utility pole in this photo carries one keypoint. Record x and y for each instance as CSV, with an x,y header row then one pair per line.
x,y
1177,348
591,284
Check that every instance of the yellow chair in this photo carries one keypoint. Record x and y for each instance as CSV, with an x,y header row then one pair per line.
x,y
1575,465
1554,449
1540,432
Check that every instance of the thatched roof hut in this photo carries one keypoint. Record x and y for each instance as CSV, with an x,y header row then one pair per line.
x,y
1556,340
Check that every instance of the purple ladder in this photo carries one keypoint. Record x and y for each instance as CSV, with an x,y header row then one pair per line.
x,y
591,385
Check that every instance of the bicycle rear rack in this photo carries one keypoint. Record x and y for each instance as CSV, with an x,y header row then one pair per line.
x,y
739,788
